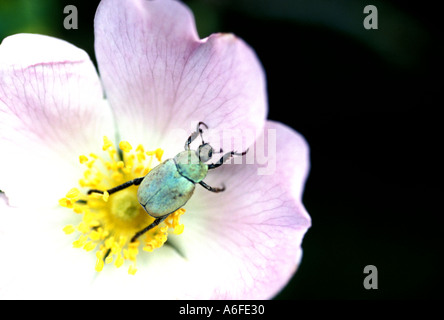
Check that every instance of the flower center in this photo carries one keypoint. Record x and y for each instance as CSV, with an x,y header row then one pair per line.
x,y
125,208
110,221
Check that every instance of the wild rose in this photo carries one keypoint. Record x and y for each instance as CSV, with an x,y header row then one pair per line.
x,y
64,130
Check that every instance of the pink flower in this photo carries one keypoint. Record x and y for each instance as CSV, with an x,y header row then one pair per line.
x,y
157,80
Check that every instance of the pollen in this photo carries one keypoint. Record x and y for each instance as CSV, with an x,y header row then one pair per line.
x,y
107,222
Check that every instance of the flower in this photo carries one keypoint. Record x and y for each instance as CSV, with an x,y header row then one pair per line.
x,y
159,80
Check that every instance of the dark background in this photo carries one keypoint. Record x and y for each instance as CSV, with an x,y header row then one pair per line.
x,y
368,103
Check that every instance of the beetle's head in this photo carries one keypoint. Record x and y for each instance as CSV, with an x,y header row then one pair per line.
x,y
205,152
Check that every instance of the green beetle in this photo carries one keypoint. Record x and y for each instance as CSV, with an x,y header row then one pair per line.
x,y
170,185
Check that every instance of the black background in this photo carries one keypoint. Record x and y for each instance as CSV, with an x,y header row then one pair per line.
x,y
372,119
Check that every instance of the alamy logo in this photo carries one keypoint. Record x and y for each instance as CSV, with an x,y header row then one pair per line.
x,y
371,20
371,281
71,20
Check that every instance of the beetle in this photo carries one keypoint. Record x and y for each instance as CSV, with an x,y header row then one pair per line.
x,y
169,185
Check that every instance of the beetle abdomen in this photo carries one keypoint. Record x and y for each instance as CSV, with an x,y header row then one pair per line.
x,y
164,190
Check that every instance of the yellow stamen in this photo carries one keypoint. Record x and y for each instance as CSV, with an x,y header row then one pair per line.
x,y
132,270
178,229
105,196
83,159
69,229
65,203
106,144
80,241
74,193
99,264
119,261
89,246
125,146
159,154
110,221
109,259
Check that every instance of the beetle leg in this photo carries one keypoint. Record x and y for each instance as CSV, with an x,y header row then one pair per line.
x,y
190,139
194,135
152,225
210,188
225,158
127,184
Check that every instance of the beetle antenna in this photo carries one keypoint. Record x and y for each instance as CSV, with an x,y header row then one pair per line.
x,y
200,130
194,135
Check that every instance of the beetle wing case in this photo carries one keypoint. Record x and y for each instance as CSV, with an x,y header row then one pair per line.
x,y
164,190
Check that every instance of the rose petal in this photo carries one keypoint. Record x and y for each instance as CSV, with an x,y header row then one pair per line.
x,y
161,79
51,111
38,260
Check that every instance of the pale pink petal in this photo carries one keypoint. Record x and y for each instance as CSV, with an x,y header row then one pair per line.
x,y
51,111
38,259
159,77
